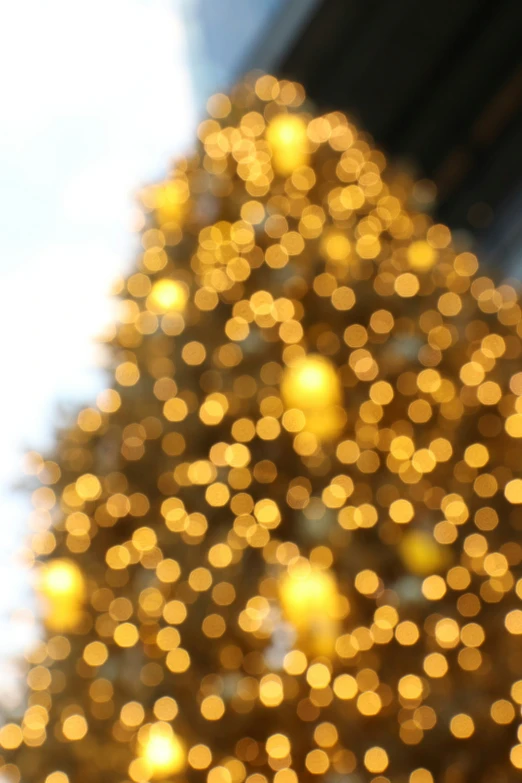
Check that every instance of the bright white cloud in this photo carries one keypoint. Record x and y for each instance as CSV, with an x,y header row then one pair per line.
x,y
97,100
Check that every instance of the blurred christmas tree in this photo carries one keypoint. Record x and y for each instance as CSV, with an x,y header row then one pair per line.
x,y
285,545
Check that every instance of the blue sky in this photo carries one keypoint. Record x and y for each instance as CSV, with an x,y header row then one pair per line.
x,y
96,98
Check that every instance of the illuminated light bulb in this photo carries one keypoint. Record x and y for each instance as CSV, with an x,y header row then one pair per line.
x,y
63,585
310,601
162,751
287,137
421,554
167,296
311,384
421,256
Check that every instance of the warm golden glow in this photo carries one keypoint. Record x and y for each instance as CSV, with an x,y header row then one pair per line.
x,y
170,200
311,383
308,594
62,579
421,256
62,584
162,751
312,386
310,601
325,423
290,525
287,137
167,296
421,554
335,246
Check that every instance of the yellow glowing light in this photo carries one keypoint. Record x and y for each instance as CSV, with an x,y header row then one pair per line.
x,y
63,585
307,594
288,139
163,752
313,386
171,201
311,383
335,246
325,423
421,554
167,296
62,579
421,256
310,601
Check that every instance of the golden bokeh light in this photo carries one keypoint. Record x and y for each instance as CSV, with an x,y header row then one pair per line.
x,y
162,751
310,601
288,140
283,543
62,585
312,385
421,553
421,256
167,296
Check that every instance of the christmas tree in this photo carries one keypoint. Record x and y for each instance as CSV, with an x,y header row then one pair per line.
x,y
284,545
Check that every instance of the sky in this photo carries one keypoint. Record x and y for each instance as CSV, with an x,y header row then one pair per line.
x,y
96,101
